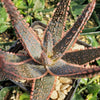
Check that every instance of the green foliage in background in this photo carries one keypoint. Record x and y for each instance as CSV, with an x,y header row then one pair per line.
x,y
77,7
29,8
3,19
88,89
24,96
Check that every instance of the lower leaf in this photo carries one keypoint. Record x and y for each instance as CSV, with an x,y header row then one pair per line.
x,y
43,88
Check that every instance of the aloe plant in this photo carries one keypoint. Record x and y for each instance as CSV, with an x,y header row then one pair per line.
x,y
51,56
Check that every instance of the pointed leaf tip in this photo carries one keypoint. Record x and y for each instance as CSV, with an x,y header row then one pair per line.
x,y
70,38
55,28
82,56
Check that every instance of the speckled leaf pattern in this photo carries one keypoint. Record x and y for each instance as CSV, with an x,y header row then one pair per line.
x,y
27,36
55,27
50,57
11,57
73,33
26,71
3,75
43,87
62,68
82,56
19,66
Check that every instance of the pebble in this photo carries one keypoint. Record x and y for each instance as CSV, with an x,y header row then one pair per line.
x,y
63,86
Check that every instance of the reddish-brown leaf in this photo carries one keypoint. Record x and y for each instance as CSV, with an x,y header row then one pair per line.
x,y
71,36
54,30
82,56
20,67
43,88
62,68
27,36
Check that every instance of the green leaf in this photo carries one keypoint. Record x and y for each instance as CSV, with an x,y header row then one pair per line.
x,y
5,46
77,97
20,4
3,28
3,20
38,5
91,33
80,1
92,40
28,19
86,30
91,97
8,43
30,3
3,15
38,16
82,89
47,10
84,81
76,9
98,61
93,79
95,17
94,97
5,91
93,88
24,96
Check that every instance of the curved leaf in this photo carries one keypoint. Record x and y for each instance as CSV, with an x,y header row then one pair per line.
x,y
19,67
62,68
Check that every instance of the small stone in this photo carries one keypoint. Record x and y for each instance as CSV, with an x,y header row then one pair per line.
x,y
14,91
63,87
58,86
23,81
57,82
69,88
61,95
54,95
65,80
59,99
65,92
